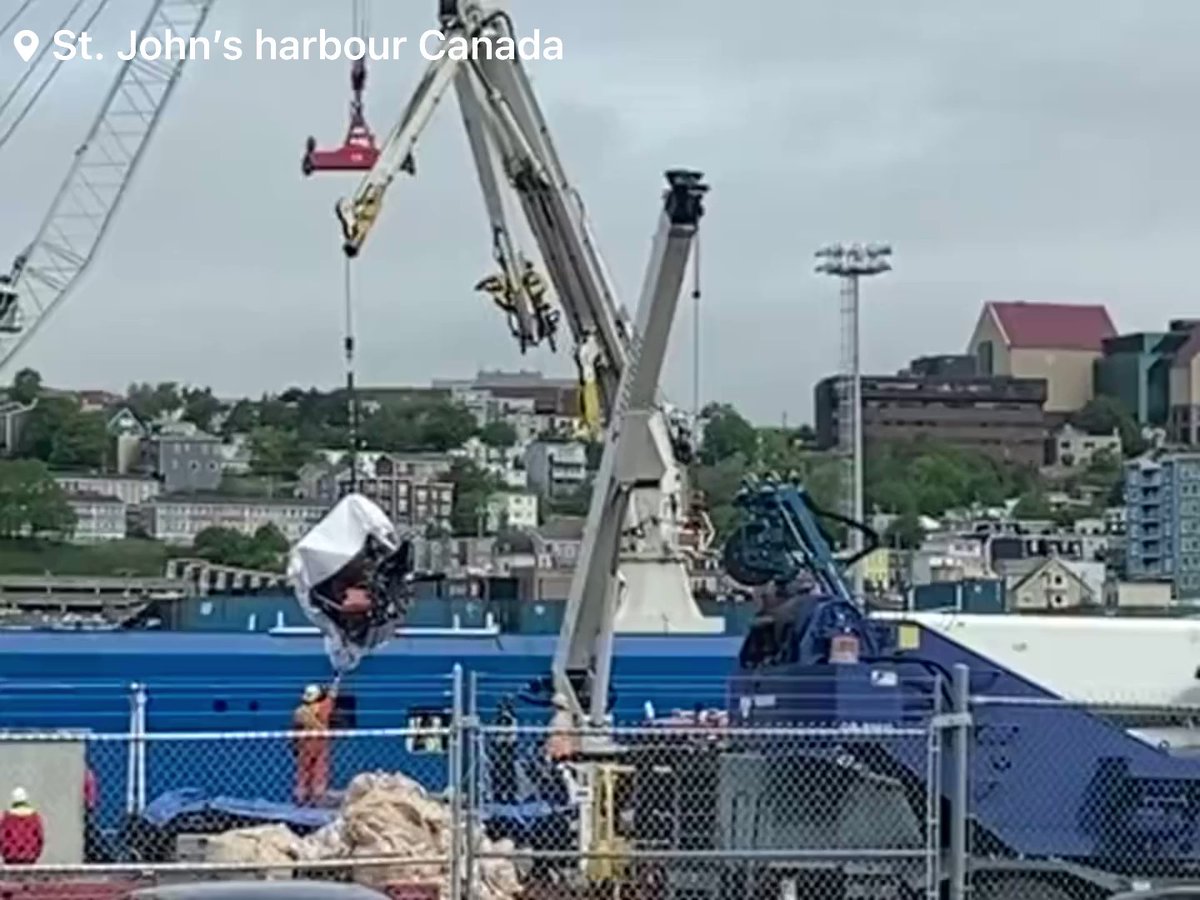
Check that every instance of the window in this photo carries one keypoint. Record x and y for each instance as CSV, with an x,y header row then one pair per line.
x,y
985,353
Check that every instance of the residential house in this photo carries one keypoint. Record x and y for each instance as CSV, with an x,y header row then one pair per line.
x,y
556,468
512,510
98,517
539,405
98,401
506,464
413,489
1057,342
1075,449
1054,584
12,418
178,518
559,540
236,455
184,462
131,490
949,556
127,432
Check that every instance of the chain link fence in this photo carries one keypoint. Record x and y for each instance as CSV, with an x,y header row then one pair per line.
x,y
710,811
992,798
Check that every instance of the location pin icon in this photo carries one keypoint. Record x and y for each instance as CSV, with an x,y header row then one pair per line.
x,y
26,43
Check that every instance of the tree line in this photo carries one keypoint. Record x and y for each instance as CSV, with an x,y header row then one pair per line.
x,y
284,430
909,479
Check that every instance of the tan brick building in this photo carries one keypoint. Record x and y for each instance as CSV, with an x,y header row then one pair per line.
x,y
1058,342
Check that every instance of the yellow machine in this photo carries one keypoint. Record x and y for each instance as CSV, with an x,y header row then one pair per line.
x,y
611,859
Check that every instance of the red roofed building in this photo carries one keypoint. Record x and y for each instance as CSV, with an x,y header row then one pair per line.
x,y
1059,342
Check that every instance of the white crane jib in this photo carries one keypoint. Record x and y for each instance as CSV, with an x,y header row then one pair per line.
x,y
514,154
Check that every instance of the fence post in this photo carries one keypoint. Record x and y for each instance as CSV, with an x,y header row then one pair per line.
x,y
472,741
131,751
960,735
456,787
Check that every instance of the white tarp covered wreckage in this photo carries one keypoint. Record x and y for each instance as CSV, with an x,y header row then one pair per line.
x,y
351,576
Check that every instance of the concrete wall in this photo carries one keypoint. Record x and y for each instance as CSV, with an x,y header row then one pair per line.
x,y
1069,375
52,773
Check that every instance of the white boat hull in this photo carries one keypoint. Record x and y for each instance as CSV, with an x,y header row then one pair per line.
x,y
1090,660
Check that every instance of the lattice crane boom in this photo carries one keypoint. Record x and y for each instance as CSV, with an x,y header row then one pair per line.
x,y
50,267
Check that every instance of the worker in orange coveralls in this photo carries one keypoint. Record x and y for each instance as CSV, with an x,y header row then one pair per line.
x,y
312,750
22,837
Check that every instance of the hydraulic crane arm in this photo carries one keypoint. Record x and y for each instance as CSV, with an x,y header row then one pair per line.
x,y
507,132
632,459
46,271
514,154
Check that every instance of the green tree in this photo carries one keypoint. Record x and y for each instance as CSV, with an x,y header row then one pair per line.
x,y
31,502
446,426
228,547
726,434
905,532
392,429
1032,505
929,477
266,549
416,424
473,488
1102,415
58,433
149,401
719,484
498,434
26,386
219,545
200,407
277,453
242,418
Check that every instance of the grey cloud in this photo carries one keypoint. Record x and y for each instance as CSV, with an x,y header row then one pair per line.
x,y
1041,151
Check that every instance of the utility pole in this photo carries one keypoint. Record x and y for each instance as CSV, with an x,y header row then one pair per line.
x,y
696,340
851,262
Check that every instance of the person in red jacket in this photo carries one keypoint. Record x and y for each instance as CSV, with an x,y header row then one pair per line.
x,y
22,837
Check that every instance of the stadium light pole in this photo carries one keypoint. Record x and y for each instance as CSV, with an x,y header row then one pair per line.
x,y
851,262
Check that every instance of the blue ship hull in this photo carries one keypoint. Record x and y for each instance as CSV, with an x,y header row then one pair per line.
x,y
240,682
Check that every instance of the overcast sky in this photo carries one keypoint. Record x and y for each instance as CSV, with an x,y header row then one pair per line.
x,y
1008,151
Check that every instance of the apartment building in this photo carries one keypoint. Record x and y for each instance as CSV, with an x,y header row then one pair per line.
x,y
413,489
1162,521
98,517
178,518
131,490
555,468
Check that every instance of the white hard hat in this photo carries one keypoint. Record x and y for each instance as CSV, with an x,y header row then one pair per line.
x,y
311,693
19,796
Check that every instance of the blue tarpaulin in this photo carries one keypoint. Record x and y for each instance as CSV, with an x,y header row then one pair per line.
x,y
167,807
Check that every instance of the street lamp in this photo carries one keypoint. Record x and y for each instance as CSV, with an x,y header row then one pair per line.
x,y
850,262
